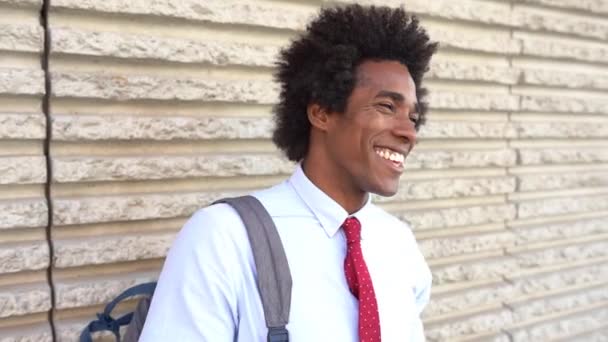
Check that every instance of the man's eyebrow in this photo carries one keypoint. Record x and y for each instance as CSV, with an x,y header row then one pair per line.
x,y
392,95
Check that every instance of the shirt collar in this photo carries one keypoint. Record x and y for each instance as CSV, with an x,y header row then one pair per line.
x,y
330,214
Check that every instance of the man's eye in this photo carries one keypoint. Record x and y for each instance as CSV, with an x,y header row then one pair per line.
x,y
388,106
414,119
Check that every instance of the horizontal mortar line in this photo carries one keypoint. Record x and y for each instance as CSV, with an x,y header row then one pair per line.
x,y
458,287
27,322
557,143
465,116
592,91
171,186
154,148
555,194
468,257
461,22
24,13
164,109
20,60
23,277
566,242
462,314
467,87
524,62
111,271
523,117
560,37
154,67
580,169
83,314
554,58
469,230
474,52
181,27
525,273
558,315
21,236
21,191
481,336
467,82
95,230
556,219
577,36
555,293
556,91
448,203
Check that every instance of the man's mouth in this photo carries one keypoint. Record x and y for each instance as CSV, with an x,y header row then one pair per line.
x,y
393,156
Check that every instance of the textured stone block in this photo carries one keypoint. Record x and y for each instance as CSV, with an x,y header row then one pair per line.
x,y
468,244
586,5
561,206
563,156
93,291
470,10
561,231
432,159
561,254
28,334
561,129
25,256
475,39
467,130
74,169
563,104
531,309
563,180
110,249
22,170
458,216
564,78
21,81
543,20
23,213
19,3
484,268
129,45
22,126
130,87
75,128
561,326
131,207
476,324
552,279
26,299
472,101
444,68
543,46
218,11
469,298
21,37
451,188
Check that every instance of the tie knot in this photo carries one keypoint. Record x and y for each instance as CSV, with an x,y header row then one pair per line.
x,y
352,230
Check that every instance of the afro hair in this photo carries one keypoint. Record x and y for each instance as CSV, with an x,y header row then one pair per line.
x,y
320,66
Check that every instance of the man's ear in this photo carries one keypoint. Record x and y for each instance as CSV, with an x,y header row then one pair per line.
x,y
318,116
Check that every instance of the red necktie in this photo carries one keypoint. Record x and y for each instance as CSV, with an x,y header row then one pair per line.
x,y
360,283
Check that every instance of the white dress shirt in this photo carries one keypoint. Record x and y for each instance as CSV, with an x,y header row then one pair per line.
x,y
207,289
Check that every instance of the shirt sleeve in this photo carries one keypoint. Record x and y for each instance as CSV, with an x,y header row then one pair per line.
x,y
196,297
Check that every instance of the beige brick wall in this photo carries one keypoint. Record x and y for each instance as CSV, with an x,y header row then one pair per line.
x,y
159,107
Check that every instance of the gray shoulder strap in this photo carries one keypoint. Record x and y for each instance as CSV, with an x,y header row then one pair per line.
x,y
274,278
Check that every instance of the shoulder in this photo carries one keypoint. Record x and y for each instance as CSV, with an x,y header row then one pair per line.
x,y
389,221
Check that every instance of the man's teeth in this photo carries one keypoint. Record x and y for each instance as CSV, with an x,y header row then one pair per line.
x,y
391,155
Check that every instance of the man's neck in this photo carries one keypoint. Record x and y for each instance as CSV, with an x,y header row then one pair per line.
x,y
331,184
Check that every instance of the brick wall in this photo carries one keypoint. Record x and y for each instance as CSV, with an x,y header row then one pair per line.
x,y
158,107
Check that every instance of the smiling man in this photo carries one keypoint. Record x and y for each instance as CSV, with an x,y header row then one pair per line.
x,y
350,105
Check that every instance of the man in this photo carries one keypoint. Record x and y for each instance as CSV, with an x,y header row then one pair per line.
x,y
350,106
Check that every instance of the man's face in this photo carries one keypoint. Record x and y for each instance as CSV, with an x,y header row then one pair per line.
x,y
369,142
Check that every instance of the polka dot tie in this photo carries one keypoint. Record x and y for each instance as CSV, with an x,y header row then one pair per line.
x,y
360,283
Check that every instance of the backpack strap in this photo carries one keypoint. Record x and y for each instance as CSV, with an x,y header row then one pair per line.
x,y
104,319
274,277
